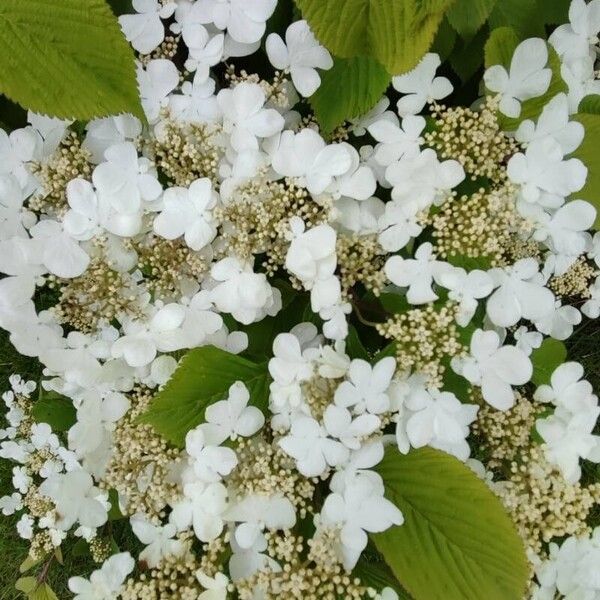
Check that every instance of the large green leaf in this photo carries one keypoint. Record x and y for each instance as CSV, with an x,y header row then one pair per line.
x,y
457,542
350,89
54,409
202,378
589,155
555,12
550,355
66,58
468,16
521,15
395,32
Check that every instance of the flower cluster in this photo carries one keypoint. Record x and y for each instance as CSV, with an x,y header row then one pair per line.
x,y
435,258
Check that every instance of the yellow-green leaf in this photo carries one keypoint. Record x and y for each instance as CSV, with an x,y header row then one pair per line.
x,y
457,542
66,58
468,16
397,33
589,155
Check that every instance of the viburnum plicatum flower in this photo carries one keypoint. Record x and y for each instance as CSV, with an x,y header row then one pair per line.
x,y
230,418
397,139
527,78
305,155
350,430
494,368
366,388
577,38
466,288
202,508
158,540
210,462
398,225
104,583
196,103
554,123
417,274
144,30
421,86
187,212
301,55
309,444
254,513
156,81
215,588
77,500
245,119
361,508
520,294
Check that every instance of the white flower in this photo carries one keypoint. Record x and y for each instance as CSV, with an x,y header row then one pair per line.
x,y
340,424
306,155
25,527
124,181
311,256
58,252
156,81
241,292
566,386
244,19
440,420
228,419
591,308
423,179
494,368
367,387
545,178
559,322
145,30
187,212
520,294
527,78
11,504
106,132
360,509
196,103
395,140
104,583
215,587
158,540
527,340
398,225
76,499
466,288
210,462
85,216
417,274
309,444
357,182
421,86
244,117
300,54
202,507
256,513
576,39
553,122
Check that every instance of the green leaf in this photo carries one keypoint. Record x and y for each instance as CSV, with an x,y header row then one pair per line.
x,y
590,105
467,57
395,32
26,584
349,89
555,12
114,514
376,574
354,346
457,542
29,563
43,592
546,358
67,59
521,15
56,410
500,47
203,377
445,40
589,155
468,16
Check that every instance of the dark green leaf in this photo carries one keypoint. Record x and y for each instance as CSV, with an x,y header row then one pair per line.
x,y
54,409
376,574
522,15
349,89
590,105
555,12
467,57
500,47
468,16
67,59
354,347
203,377
546,358
445,39
457,542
